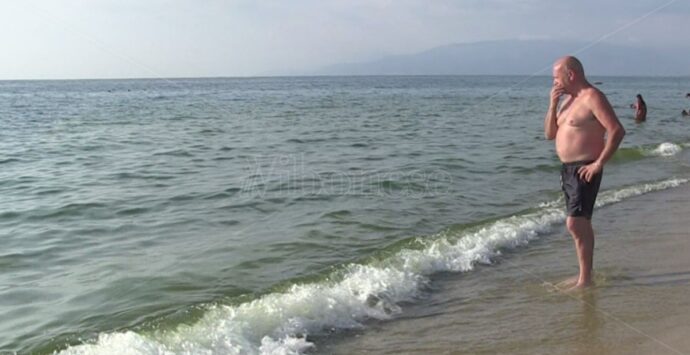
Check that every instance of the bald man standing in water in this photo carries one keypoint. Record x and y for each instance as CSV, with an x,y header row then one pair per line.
x,y
587,133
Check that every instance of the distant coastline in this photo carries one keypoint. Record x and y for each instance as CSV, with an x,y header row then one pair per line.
x,y
277,76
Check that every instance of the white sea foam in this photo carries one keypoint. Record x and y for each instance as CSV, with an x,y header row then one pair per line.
x,y
608,197
666,149
278,323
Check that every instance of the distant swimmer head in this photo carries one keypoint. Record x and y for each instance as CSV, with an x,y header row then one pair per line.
x,y
685,113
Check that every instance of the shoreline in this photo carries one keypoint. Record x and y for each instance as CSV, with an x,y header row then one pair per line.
x,y
638,305
657,241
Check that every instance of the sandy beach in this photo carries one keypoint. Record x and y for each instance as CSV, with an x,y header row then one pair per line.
x,y
639,304
654,248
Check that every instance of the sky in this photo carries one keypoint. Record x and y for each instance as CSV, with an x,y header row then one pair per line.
x,y
75,39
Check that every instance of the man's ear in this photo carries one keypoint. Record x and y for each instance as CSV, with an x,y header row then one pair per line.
x,y
571,74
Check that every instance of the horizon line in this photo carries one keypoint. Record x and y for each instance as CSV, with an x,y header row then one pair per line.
x,y
321,76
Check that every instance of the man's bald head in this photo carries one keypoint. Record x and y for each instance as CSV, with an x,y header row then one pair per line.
x,y
568,73
571,63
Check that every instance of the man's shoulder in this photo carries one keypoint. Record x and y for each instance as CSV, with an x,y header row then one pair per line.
x,y
593,93
594,96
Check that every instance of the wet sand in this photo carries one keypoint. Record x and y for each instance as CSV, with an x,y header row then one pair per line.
x,y
640,303
659,253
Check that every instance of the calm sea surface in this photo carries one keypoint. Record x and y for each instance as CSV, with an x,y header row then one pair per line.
x,y
266,215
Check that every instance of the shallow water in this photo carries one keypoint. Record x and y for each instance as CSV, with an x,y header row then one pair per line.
x,y
639,295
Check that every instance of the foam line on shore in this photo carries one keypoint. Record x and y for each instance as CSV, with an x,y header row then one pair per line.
x,y
280,322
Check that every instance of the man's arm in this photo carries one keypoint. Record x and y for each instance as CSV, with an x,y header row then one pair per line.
x,y
550,125
602,110
551,119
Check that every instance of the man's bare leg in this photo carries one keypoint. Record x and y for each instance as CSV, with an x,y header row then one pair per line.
x,y
583,235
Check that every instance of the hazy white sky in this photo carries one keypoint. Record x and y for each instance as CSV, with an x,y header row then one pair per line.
x,y
172,38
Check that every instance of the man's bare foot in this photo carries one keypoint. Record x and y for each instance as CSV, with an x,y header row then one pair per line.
x,y
579,286
567,283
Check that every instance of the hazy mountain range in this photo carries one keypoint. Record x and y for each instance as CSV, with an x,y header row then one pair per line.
x,y
522,57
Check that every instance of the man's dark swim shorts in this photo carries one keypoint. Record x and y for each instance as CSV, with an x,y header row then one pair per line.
x,y
580,195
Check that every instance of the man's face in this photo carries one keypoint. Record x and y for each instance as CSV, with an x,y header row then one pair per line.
x,y
560,77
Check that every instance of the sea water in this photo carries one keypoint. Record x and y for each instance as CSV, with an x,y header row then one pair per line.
x,y
263,215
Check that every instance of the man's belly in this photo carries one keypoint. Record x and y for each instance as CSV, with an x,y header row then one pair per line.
x,y
578,147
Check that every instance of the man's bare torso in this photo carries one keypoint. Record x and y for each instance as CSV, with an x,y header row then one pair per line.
x,y
580,136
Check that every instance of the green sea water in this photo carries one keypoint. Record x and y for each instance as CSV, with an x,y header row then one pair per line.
x,y
254,215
